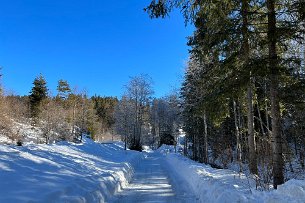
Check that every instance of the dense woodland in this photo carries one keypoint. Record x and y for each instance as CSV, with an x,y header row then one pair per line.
x,y
243,91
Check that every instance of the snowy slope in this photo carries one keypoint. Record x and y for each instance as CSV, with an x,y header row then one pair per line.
x,y
87,172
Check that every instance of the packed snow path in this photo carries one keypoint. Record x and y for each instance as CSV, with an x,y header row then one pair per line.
x,y
152,183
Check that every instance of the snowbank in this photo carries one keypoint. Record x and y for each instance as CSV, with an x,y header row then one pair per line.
x,y
291,191
166,149
64,172
220,185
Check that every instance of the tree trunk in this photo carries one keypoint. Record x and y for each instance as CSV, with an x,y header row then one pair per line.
x,y
250,114
278,163
238,146
267,111
260,119
194,148
206,155
251,136
241,137
125,142
73,119
185,146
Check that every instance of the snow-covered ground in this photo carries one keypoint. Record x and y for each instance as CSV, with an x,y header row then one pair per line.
x,y
93,172
26,133
64,172
223,185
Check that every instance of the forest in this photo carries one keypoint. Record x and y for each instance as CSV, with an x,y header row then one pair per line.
x,y
243,92
137,118
241,104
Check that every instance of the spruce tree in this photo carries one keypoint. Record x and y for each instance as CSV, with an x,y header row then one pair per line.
x,y
248,41
37,95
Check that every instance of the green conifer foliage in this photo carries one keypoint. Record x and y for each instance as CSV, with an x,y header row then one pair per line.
x,y
63,89
245,51
38,93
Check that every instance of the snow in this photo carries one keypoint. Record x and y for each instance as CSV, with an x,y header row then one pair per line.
x,y
147,149
4,139
154,182
105,172
165,149
223,185
86,172
209,184
26,133
291,191
29,134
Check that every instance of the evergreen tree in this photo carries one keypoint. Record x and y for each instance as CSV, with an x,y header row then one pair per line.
x,y
104,107
244,41
38,93
63,89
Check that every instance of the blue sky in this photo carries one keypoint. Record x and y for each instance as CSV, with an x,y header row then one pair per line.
x,y
94,44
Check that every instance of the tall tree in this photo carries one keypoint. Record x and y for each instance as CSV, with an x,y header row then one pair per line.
x,y
136,104
245,59
63,89
283,25
38,93
247,40
139,92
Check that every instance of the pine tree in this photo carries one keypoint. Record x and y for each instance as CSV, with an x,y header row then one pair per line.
x,y
38,93
63,89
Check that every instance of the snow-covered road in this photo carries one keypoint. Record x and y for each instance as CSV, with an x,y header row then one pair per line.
x,y
152,183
